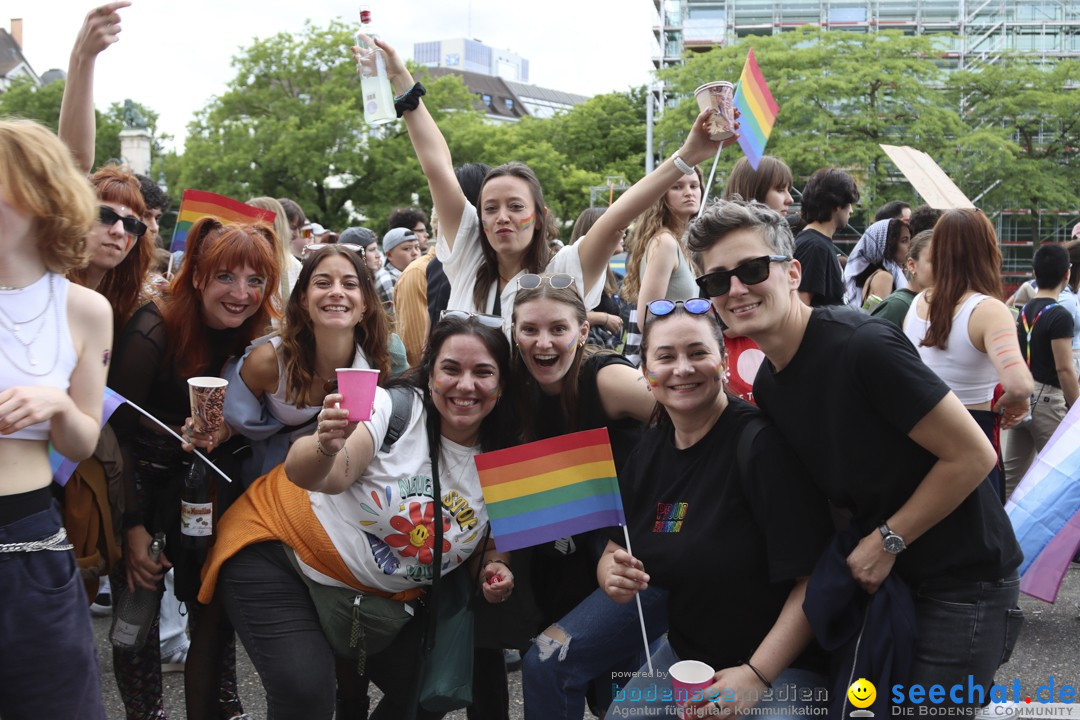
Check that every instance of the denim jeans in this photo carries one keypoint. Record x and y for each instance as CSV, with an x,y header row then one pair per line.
x,y
646,696
964,630
602,636
48,658
271,609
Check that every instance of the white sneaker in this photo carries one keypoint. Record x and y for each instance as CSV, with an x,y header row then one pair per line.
x,y
102,605
174,661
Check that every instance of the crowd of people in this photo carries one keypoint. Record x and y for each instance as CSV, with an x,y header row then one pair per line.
x,y
803,440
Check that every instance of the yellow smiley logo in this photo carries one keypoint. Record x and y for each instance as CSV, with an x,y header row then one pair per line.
x,y
862,693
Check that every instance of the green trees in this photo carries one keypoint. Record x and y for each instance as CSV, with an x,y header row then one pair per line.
x,y
24,99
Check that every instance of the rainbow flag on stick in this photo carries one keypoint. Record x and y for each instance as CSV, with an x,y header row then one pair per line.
x,y
196,204
550,489
758,109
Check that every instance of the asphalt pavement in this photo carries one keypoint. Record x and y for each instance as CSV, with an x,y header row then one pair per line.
x,y
1048,651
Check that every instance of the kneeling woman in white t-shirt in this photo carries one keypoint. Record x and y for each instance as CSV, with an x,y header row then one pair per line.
x,y
348,513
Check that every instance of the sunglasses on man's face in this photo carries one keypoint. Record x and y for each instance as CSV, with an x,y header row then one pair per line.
x,y
132,225
310,248
491,321
557,281
750,272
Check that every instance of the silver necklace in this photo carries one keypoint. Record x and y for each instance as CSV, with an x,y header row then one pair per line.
x,y
15,328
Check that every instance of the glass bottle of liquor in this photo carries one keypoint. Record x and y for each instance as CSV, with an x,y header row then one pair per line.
x,y
135,611
374,82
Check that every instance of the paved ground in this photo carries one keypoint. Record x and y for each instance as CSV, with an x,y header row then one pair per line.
x,y
1048,651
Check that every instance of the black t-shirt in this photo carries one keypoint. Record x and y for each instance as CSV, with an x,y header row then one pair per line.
x,y
727,548
846,402
563,580
821,274
1054,323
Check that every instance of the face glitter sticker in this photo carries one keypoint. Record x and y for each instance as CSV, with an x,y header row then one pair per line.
x,y
652,378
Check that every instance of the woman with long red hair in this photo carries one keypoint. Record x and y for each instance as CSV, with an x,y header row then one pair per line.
x,y
219,301
962,329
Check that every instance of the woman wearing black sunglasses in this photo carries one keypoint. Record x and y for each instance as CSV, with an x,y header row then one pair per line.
x,y
120,252
718,516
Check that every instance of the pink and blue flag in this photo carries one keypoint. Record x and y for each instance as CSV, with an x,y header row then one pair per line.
x,y
758,111
1045,511
550,489
62,468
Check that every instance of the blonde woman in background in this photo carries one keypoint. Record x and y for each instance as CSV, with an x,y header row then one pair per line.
x,y
290,266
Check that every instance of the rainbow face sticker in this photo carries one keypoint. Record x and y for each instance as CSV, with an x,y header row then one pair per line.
x,y
526,223
652,378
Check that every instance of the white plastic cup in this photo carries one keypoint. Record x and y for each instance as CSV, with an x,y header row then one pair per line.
x,y
207,396
357,387
719,97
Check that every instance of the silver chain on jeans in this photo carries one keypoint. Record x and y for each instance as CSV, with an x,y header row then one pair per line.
x,y
57,542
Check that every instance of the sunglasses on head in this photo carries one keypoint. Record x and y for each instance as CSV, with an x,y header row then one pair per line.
x,y
557,281
132,225
491,321
310,248
694,306
750,272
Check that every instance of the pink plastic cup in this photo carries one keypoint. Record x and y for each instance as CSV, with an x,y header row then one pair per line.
x,y
719,97
357,388
689,677
207,396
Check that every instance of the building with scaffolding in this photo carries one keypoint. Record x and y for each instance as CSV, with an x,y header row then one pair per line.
x,y
976,33
983,28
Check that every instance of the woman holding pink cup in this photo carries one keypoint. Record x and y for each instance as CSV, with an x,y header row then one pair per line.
x,y
717,517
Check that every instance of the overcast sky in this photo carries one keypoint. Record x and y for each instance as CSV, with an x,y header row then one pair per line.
x,y
173,56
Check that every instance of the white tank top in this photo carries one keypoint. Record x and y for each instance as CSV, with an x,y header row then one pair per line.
x,y
35,341
286,412
968,372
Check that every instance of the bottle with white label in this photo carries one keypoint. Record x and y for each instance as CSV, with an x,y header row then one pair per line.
x,y
374,82
135,611
196,509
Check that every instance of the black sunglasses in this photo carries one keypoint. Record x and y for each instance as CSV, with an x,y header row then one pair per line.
x,y
694,306
750,272
491,321
132,225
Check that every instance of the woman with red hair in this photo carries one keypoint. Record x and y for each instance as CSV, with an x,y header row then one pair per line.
x,y
964,332
219,302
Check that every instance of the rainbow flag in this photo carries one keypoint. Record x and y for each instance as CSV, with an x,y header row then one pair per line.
x,y
62,468
550,489
1045,511
758,109
196,204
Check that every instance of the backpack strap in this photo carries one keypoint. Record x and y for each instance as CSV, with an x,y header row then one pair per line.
x,y
749,433
400,415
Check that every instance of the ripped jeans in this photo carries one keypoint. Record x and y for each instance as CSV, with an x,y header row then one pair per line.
x,y
598,636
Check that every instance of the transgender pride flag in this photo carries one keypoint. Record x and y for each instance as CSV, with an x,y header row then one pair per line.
x,y
1045,511
62,468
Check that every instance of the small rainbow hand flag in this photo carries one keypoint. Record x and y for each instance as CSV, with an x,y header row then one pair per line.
x,y
196,204
62,468
758,109
546,490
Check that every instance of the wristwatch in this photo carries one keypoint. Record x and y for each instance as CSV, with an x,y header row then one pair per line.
x,y
893,543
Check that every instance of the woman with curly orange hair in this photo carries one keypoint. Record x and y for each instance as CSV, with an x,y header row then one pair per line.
x,y
54,343
215,306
